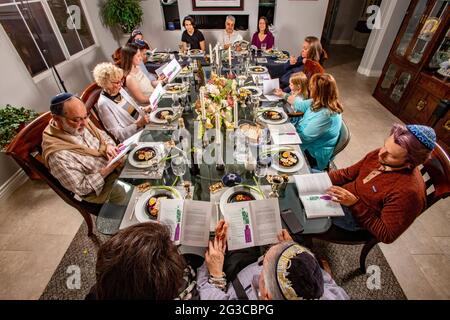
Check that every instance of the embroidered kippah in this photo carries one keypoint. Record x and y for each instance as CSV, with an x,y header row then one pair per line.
x,y
424,134
298,274
136,32
60,98
140,43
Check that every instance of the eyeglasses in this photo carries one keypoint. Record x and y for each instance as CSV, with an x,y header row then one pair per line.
x,y
78,119
120,82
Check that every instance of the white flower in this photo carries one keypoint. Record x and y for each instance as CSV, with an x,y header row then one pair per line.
x,y
213,90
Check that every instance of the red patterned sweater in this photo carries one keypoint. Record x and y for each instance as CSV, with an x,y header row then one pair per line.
x,y
389,203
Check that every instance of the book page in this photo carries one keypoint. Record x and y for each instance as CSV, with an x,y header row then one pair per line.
x,y
311,184
320,206
196,223
156,96
172,70
284,134
268,87
240,232
266,221
170,214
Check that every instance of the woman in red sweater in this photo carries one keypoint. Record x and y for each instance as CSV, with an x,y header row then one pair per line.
x,y
385,192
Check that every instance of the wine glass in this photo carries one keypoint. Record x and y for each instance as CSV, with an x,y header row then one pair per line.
x,y
188,48
263,47
176,100
180,52
179,165
261,170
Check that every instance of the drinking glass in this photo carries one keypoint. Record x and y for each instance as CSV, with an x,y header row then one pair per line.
x,y
188,48
179,165
176,100
260,171
180,52
263,47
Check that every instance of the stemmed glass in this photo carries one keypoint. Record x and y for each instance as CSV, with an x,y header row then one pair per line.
x,y
261,170
180,52
179,165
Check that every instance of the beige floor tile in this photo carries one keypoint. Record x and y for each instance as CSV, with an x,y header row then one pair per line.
x,y
409,275
436,270
418,241
444,245
437,219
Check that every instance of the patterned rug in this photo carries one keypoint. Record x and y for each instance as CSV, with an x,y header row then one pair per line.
x,y
75,274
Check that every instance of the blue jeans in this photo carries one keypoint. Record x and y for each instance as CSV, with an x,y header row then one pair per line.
x,y
347,222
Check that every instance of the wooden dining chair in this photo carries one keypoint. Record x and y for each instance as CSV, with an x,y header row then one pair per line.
x,y
436,175
342,143
26,150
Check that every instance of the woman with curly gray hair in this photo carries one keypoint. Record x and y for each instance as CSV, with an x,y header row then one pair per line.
x,y
119,113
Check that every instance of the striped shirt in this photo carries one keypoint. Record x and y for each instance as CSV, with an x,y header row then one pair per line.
x,y
80,173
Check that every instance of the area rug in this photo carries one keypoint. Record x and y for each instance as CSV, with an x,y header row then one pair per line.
x,y
75,275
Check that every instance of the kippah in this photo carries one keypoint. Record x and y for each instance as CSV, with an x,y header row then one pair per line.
x,y
424,134
136,32
60,98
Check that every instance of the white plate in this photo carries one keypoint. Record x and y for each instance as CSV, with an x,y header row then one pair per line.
x,y
252,69
140,210
258,90
230,191
284,117
281,61
196,53
146,164
294,169
170,86
158,57
155,119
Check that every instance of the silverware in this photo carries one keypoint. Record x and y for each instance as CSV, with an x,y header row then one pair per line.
x,y
132,212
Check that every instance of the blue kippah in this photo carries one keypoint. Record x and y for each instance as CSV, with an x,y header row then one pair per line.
x,y
60,98
424,134
140,43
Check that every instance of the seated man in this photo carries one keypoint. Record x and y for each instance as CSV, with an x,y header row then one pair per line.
x,y
229,35
385,192
287,271
76,152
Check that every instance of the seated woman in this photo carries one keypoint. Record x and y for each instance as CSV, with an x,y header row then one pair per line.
x,y
295,64
113,107
142,263
311,60
322,120
192,35
138,85
263,35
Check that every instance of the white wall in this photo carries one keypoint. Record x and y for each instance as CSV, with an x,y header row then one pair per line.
x,y
381,41
21,90
347,16
294,20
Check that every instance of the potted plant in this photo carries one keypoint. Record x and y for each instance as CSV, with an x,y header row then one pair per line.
x,y
12,120
125,15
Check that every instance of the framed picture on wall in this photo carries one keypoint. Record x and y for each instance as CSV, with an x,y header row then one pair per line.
x,y
198,5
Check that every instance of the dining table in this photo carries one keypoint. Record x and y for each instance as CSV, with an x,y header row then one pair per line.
x,y
120,213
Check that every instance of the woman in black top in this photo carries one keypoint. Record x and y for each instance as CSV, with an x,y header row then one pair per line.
x,y
192,35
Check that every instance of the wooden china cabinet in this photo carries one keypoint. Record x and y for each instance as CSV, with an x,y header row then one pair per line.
x,y
415,83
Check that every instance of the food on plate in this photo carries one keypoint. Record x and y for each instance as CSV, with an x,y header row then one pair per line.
x,y
272,115
241,196
252,132
257,69
174,88
216,187
144,154
154,203
288,159
162,115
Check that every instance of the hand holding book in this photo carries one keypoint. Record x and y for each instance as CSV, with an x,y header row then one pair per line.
x,y
342,196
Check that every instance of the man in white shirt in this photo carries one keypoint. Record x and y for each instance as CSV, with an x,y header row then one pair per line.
x,y
229,35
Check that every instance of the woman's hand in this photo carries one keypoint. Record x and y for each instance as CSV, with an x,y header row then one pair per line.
x,y
221,230
284,236
278,92
293,60
214,257
342,196
142,121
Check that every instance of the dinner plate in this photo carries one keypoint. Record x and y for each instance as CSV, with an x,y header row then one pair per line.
x,y
155,151
172,88
281,61
262,116
276,164
142,210
256,92
196,53
158,57
231,195
258,69
156,116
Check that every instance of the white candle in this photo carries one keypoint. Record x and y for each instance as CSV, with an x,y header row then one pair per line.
x,y
235,115
229,57
202,103
217,54
218,127
211,57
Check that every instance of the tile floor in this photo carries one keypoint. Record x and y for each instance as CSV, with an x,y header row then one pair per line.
x,y
36,226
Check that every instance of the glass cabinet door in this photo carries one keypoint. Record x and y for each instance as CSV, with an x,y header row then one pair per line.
x,y
414,21
389,77
429,28
400,87
441,59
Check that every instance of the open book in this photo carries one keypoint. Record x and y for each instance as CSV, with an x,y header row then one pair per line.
x,y
312,192
284,134
188,220
252,223
171,70
268,88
